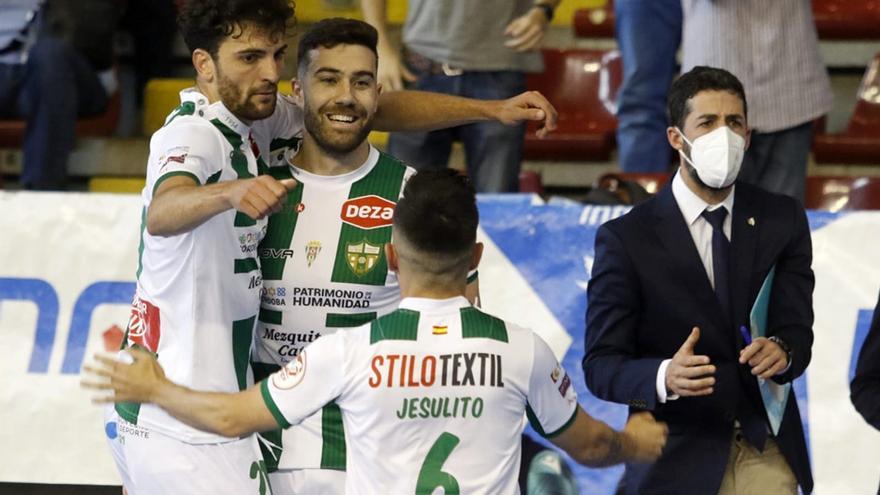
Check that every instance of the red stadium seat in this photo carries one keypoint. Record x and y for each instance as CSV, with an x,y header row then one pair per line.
x,y
842,193
12,131
596,22
861,141
582,85
530,182
847,19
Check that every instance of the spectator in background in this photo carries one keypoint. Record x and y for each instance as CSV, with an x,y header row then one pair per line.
x,y
479,50
55,66
648,33
773,48
152,26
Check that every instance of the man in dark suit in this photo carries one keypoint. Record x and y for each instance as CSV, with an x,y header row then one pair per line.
x,y
672,286
865,387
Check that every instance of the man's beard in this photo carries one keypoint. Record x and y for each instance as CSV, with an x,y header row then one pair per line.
x,y
241,107
341,144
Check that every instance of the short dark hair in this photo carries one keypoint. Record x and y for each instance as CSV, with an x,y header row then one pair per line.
x,y
329,33
699,79
206,23
437,216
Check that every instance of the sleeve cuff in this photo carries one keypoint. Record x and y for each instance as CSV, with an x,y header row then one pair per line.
x,y
270,404
662,397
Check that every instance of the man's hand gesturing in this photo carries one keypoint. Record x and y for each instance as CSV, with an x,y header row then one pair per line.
x,y
688,375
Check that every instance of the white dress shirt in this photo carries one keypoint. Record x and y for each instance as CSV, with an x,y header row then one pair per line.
x,y
692,207
771,46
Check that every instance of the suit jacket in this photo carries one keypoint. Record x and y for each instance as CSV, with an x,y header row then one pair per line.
x,y
865,387
649,289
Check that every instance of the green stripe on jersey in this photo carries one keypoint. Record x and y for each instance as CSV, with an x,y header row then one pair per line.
x,y
333,436
279,230
270,447
360,256
476,324
270,316
263,370
282,144
270,441
402,324
270,404
128,411
346,321
536,425
244,265
214,178
185,108
141,244
239,164
242,336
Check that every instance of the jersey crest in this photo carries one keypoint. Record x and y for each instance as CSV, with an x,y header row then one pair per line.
x,y
362,256
313,248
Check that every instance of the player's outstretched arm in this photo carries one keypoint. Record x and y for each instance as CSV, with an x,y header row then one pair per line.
x,y
593,443
180,204
424,111
229,415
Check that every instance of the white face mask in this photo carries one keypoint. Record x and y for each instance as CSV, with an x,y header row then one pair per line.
x,y
716,156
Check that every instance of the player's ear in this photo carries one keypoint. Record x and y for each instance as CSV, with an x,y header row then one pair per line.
x,y
391,256
204,64
296,85
477,256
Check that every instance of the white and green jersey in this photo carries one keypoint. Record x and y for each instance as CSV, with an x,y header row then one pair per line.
x,y
324,268
198,292
435,394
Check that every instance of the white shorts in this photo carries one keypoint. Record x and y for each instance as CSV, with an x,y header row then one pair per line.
x,y
307,481
152,463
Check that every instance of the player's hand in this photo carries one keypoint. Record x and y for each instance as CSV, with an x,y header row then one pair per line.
x,y
260,196
766,358
527,31
530,105
138,381
648,436
392,71
688,375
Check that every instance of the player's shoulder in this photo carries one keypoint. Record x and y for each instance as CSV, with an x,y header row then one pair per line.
x,y
391,162
400,324
195,133
479,323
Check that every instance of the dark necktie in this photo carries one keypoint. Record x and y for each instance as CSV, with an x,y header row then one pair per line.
x,y
753,427
720,257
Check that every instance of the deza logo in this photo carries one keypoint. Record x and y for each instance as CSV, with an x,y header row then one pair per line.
x,y
45,297
368,212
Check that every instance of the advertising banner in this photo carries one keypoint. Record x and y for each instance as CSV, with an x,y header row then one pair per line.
x,y
67,265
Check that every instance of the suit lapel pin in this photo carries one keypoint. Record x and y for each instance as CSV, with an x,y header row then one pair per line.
x,y
751,221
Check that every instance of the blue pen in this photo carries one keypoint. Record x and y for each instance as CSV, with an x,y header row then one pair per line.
x,y
747,336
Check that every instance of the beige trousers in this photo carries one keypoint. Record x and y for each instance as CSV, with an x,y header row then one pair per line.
x,y
750,472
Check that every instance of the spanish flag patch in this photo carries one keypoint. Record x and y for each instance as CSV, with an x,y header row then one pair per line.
x,y
440,329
